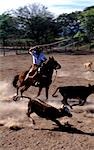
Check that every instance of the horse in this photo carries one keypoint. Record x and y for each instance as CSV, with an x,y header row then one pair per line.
x,y
44,78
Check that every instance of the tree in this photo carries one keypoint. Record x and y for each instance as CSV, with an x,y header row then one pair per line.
x,y
87,19
37,23
69,23
7,27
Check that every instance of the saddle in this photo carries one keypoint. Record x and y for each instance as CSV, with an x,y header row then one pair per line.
x,y
36,75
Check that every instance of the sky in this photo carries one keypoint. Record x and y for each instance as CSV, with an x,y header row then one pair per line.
x,y
55,6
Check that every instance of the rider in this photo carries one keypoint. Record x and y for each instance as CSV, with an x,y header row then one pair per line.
x,y
38,58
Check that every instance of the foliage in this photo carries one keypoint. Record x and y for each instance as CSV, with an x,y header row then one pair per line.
x,y
34,24
87,19
92,45
69,23
7,27
37,23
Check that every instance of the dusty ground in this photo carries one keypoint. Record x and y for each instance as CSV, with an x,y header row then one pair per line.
x,y
45,135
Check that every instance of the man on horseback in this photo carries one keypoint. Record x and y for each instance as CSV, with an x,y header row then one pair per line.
x,y
43,79
38,58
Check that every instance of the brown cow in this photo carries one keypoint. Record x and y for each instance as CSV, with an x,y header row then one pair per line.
x,y
47,111
88,65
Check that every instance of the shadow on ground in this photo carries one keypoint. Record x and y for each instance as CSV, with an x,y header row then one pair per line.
x,y
68,129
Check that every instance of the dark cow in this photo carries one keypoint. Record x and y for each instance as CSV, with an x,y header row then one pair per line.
x,y
78,92
47,111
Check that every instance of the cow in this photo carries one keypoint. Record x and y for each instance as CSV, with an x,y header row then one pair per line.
x,y
71,92
47,111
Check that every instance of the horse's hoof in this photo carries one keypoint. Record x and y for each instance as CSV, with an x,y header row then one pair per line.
x,y
18,98
15,98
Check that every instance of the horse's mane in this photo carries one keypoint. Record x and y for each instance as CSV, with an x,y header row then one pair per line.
x,y
46,65
44,68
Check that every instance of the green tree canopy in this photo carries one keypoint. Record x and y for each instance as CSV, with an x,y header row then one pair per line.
x,y
7,27
37,23
87,19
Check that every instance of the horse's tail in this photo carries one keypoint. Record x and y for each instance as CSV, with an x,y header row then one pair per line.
x,y
55,92
16,78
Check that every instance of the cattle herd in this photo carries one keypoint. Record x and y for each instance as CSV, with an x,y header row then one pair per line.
x,y
49,112
44,110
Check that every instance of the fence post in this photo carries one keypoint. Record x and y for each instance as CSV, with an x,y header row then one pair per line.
x,y
16,52
4,51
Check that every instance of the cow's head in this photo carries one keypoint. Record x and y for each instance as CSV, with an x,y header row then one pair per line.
x,y
65,111
91,87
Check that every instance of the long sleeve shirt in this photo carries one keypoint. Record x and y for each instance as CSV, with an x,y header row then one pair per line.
x,y
38,59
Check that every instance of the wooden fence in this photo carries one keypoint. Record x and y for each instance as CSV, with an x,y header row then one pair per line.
x,y
13,50
48,48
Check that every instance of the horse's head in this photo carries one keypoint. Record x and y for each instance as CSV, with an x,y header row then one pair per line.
x,y
53,63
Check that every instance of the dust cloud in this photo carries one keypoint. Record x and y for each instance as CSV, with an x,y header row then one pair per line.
x,y
11,112
6,90
14,113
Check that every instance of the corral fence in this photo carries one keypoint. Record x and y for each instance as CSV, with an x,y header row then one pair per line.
x,y
13,50
58,46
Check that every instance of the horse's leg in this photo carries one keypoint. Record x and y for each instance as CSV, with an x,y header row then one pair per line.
x,y
17,91
46,91
16,96
40,89
24,89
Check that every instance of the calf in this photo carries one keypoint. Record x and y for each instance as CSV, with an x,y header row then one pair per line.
x,y
88,65
79,92
47,111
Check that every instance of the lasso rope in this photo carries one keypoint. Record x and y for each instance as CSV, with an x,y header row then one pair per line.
x,y
46,45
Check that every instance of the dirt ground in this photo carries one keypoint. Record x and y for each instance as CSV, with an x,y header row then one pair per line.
x,y
45,135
